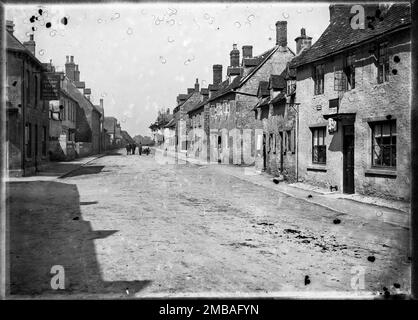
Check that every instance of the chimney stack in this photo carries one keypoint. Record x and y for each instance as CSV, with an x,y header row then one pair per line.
x,y
217,73
196,86
303,41
247,51
281,33
70,68
76,73
101,104
30,45
234,54
10,26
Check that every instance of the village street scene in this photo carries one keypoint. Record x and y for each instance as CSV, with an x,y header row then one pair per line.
x,y
273,167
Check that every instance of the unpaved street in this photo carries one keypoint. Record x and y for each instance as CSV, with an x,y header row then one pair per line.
x,y
129,225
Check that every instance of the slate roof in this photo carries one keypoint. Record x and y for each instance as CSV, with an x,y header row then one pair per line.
x,y
339,35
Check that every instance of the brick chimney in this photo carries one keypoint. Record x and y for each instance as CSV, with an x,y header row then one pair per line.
x,y
234,54
30,45
303,41
196,86
281,33
10,26
70,68
247,51
217,73
338,11
76,73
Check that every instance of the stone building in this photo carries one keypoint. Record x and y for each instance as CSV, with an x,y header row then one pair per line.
x,y
27,124
278,114
233,128
353,86
88,130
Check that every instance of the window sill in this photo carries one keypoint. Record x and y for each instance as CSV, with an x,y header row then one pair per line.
x,y
377,172
317,167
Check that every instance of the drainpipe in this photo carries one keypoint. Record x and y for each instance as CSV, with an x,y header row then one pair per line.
x,y
23,101
297,144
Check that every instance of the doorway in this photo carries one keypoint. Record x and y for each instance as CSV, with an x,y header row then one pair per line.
x,y
348,159
219,148
264,152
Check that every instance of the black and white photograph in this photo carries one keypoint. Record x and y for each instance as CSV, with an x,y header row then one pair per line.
x,y
206,150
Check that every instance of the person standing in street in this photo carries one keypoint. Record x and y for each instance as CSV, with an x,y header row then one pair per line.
x,y
128,149
133,148
140,148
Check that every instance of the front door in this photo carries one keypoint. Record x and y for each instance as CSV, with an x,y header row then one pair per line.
x,y
348,159
36,147
264,152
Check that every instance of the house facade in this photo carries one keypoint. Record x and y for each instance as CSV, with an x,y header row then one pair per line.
x,y
27,123
353,87
233,127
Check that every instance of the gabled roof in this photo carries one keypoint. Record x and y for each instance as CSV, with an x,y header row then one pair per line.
x,y
340,36
239,81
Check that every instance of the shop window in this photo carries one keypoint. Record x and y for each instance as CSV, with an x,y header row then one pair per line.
x,y
384,144
382,63
318,77
319,152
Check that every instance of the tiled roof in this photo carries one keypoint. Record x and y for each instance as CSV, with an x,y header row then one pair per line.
x,y
276,82
251,62
340,36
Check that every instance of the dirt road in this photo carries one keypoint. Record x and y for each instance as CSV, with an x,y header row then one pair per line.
x,y
131,226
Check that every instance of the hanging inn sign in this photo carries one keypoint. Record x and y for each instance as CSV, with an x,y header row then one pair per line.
x,y
50,86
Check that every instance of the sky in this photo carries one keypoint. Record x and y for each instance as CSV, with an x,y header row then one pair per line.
x,y
138,57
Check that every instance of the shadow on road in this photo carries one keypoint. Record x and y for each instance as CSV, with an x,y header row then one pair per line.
x,y
83,171
47,229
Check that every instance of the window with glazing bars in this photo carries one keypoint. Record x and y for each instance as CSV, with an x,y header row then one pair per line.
x,y
384,144
319,152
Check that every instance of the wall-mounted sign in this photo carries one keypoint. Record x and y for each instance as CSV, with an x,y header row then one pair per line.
x,y
332,125
50,86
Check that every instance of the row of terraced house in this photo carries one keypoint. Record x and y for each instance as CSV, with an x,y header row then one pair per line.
x,y
335,113
50,114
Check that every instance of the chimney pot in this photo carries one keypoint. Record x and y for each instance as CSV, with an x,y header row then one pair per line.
x,y
72,59
303,41
67,59
234,55
281,33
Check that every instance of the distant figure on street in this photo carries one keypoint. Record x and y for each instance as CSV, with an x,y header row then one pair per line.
x,y
147,151
140,148
128,149
133,146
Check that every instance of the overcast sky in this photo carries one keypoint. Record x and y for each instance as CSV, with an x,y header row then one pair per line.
x,y
139,57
